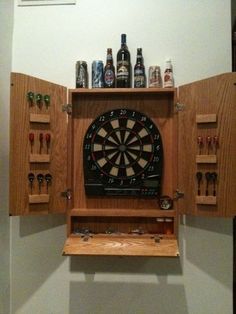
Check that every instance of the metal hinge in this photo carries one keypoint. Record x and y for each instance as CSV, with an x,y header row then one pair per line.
x,y
178,194
179,107
67,194
67,108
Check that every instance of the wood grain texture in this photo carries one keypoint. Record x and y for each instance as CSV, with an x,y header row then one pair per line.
x,y
206,159
206,118
86,107
121,246
213,96
20,149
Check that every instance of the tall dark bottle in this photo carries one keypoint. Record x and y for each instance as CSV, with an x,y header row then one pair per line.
x,y
234,47
139,71
109,70
123,76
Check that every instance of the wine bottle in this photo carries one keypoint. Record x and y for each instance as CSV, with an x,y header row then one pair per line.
x,y
109,70
139,71
123,77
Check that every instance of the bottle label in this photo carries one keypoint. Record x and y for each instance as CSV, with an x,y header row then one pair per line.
x,y
139,78
109,77
122,70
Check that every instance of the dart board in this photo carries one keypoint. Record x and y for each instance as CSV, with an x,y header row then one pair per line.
x,y
123,155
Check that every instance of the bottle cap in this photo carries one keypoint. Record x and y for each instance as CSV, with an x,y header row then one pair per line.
x,y
123,38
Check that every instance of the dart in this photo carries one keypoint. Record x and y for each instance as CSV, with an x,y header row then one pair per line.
x,y
199,179
31,178
215,143
31,139
38,99
47,100
41,142
200,144
214,179
30,97
208,179
48,179
48,140
40,181
209,142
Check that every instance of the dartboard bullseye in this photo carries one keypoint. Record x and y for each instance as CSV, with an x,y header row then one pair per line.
x,y
123,155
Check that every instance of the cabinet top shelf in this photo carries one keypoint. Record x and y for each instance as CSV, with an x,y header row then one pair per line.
x,y
93,91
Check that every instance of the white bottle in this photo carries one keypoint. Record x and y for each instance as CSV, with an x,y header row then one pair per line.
x,y
168,80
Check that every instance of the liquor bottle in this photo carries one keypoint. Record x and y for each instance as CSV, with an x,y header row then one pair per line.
x,y
168,80
109,70
234,47
123,76
139,71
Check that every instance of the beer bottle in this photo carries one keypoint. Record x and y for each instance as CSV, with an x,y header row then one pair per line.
x,y
123,76
139,71
109,70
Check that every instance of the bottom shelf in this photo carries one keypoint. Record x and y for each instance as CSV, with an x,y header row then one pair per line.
x,y
122,245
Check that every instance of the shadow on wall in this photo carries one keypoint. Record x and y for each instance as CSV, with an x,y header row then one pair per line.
x,y
209,246
127,298
35,224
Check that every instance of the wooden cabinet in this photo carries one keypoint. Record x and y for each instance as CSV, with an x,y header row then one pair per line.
x,y
122,225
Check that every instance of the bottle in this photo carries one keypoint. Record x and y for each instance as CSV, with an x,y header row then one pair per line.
x,y
139,71
123,76
168,80
109,70
234,47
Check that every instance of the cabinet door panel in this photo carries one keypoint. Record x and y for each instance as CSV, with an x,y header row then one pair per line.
x,y
209,111
38,145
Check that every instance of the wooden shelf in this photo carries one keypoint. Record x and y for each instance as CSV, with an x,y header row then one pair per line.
x,y
38,198
206,118
39,118
123,212
206,200
41,158
113,91
206,159
124,245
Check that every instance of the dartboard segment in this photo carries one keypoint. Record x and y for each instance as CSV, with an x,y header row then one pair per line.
x,y
123,155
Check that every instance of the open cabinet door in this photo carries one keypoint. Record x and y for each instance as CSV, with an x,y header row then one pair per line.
x,y
207,146
38,146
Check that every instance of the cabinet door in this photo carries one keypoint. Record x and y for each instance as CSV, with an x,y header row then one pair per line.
x,y
207,146
38,146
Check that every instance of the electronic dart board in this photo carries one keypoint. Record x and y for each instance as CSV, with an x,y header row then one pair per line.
x,y
123,155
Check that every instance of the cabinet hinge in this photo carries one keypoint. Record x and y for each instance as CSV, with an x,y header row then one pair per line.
x,y
178,194
67,194
67,108
179,107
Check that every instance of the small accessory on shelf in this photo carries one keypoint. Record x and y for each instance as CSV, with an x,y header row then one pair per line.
x,y
200,144
31,139
31,178
41,142
208,179
48,179
209,143
199,179
48,140
214,179
40,178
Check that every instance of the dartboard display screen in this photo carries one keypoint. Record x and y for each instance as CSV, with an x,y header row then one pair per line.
x,y
123,155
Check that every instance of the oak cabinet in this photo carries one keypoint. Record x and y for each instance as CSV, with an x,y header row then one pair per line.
x,y
48,125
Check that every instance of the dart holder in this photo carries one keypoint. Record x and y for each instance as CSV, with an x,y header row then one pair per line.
x,y
38,198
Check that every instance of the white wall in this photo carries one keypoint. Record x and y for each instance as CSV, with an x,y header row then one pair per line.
x,y
6,30
47,42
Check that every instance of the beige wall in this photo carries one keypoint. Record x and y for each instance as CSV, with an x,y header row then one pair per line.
x,y
47,42
6,29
